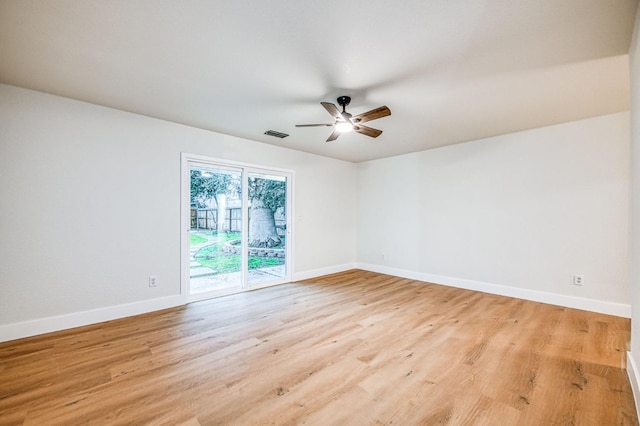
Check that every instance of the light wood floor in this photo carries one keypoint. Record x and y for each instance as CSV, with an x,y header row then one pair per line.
x,y
353,348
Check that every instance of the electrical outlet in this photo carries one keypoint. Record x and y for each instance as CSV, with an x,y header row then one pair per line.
x,y
153,281
578,279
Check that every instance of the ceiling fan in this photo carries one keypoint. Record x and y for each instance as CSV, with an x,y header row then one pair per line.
x,y
346,122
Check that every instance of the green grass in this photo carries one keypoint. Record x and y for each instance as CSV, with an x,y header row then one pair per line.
x,y
197,239
222,263
264,262
213,257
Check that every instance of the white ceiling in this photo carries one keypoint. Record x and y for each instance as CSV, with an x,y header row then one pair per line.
x,y
449,70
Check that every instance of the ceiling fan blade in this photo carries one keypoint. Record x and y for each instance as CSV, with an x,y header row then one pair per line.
x,y
315,125
335,112
368,131
333,136
374,114
332,109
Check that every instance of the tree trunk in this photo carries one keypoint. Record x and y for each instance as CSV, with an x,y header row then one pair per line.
x,y
262,226
221,200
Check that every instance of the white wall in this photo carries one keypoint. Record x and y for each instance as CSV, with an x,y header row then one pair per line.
x,y
517,214
90,206
634,213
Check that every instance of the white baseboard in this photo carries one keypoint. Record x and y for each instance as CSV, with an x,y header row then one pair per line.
x,y
35,327
305,275
609,308
632,372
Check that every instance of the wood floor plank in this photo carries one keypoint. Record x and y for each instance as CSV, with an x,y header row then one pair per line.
x,y
351,348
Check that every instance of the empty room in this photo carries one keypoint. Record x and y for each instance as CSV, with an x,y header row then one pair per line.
x,y
320,213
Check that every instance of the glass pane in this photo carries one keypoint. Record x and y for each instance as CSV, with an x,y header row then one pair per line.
x,y
216,226
266,240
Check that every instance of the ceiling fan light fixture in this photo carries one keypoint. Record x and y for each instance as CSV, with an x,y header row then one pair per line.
x,y
344,127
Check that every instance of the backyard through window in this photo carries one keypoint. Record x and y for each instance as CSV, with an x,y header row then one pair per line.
x,y
216,243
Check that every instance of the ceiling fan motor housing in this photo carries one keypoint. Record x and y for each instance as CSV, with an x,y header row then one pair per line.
x,y
343,101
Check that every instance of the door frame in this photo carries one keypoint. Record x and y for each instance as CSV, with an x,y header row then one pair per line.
x,y
185,220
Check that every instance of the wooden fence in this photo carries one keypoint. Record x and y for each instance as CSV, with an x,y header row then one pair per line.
x,y
207,220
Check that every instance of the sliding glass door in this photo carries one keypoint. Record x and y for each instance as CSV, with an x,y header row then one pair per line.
x,y
215,209
267,235
236,233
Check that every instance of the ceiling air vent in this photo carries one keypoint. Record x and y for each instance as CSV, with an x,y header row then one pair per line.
x,y
276,134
